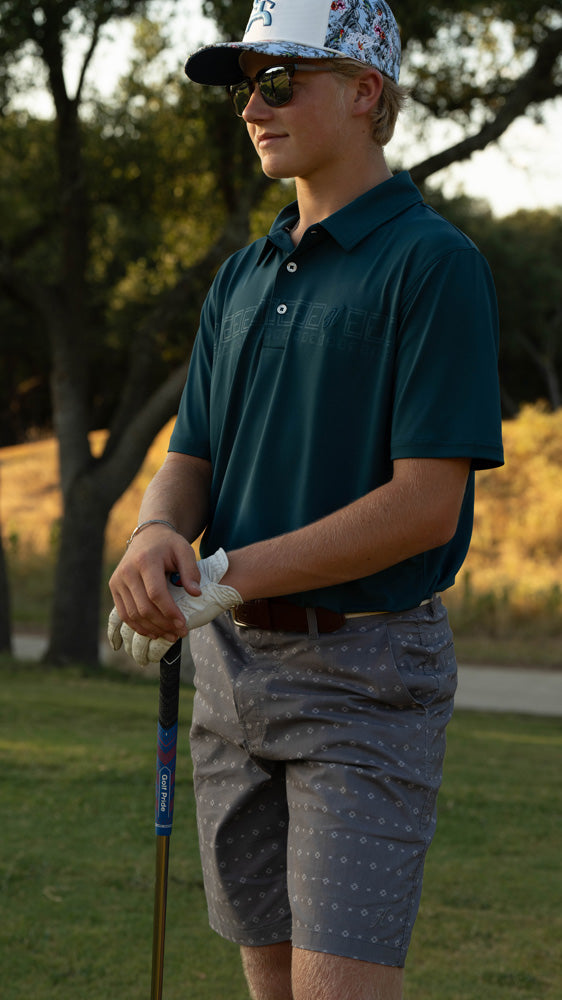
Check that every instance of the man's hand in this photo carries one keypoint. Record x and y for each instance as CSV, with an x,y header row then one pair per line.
x,y
139,584
195,610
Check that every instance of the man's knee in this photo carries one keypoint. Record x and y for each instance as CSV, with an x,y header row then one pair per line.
x,y
268,971
317,976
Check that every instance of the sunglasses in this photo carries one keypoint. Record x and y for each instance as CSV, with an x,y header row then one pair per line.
x,y
275,84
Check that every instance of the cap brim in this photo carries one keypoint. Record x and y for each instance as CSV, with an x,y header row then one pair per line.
x,y
218,65
215,65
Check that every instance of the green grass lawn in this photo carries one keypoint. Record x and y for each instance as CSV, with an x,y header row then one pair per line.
x,y
77,854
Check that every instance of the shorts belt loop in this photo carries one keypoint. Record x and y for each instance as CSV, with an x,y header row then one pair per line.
x,y
312,622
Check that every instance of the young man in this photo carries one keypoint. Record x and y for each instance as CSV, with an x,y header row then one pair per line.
x,y
342,392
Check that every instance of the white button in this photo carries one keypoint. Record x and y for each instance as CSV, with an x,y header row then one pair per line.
x,y
282,310
292,267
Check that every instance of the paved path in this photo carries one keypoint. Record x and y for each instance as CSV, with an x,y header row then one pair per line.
x,y
510,689
489,689
32,647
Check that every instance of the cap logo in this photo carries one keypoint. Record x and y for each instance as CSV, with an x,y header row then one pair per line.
x,y
294,21
259,13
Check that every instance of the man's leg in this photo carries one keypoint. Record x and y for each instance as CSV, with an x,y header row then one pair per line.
x,y
328,977
315,976
268,971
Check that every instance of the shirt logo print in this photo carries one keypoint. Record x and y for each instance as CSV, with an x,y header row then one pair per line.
x,y
261,13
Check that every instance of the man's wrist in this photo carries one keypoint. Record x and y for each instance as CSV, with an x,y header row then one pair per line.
x,y
144,524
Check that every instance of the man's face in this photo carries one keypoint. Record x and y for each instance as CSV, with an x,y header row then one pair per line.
x,y
301,139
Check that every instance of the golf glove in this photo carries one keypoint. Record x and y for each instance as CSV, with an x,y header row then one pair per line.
x,y
213,600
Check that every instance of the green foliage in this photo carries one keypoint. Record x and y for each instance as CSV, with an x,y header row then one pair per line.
x,y
159,188
27,209
463,56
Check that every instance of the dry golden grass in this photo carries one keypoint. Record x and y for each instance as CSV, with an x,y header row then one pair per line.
x,y
30,499
516,554
512,575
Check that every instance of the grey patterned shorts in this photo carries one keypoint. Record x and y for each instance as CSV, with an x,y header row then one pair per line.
x,y
317,763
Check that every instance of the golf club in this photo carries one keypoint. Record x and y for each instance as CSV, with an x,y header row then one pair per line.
x,y
164,805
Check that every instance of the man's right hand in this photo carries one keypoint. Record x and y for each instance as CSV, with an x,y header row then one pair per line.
x,y
139,585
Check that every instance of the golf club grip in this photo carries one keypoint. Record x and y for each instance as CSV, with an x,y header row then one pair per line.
x,y
169,697
167,739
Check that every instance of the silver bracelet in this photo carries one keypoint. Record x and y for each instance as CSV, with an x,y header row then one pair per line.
x,y
144,524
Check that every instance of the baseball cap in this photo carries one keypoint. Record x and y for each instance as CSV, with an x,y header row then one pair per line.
x,y
364,30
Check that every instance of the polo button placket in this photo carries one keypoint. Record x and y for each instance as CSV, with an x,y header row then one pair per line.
x,y
292,267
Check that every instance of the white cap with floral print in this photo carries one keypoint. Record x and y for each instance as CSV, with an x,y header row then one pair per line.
x,y
364,30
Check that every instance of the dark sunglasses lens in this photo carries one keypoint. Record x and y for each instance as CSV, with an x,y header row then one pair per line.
x,y
276,86
240,96
276,89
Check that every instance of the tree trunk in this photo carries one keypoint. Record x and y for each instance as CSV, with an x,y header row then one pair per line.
x,y
75,620
88,500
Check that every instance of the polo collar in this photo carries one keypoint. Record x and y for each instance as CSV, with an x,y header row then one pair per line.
x,y
355,221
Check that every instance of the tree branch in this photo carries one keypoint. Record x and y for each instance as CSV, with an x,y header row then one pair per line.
x,y
117,467
534,86
88,59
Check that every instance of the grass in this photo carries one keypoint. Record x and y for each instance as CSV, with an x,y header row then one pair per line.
x,y
77,854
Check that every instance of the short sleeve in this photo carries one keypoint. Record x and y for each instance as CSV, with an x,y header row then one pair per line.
x,y
447,400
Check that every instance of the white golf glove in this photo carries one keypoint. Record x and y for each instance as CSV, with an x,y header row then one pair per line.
x,y
213,600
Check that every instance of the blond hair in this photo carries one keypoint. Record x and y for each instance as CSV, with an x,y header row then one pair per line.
x,y
392,100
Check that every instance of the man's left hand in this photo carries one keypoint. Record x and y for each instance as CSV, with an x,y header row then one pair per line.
x,y
213,600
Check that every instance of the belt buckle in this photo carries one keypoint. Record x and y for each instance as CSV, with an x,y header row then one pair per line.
x,y
260,618
236,619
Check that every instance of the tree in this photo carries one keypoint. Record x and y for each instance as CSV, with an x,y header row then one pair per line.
x,y
64,292
88,267
481,65
26,210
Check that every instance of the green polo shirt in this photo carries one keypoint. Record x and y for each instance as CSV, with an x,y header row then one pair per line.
x,y
316,367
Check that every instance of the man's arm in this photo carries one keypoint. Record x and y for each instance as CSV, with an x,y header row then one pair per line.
x,y
416,511
179,494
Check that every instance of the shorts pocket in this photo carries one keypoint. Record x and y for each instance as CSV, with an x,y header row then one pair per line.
x,y
423,659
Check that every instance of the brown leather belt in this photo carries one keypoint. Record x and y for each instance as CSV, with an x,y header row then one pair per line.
x,y
271,613
278,615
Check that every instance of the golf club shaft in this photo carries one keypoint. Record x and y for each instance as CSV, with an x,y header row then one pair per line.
x,y
159,929
168,707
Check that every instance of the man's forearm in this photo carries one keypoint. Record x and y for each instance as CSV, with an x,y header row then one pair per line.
x,y
179,493
416,511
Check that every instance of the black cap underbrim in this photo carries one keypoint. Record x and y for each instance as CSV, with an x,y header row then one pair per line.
x,y
215,65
